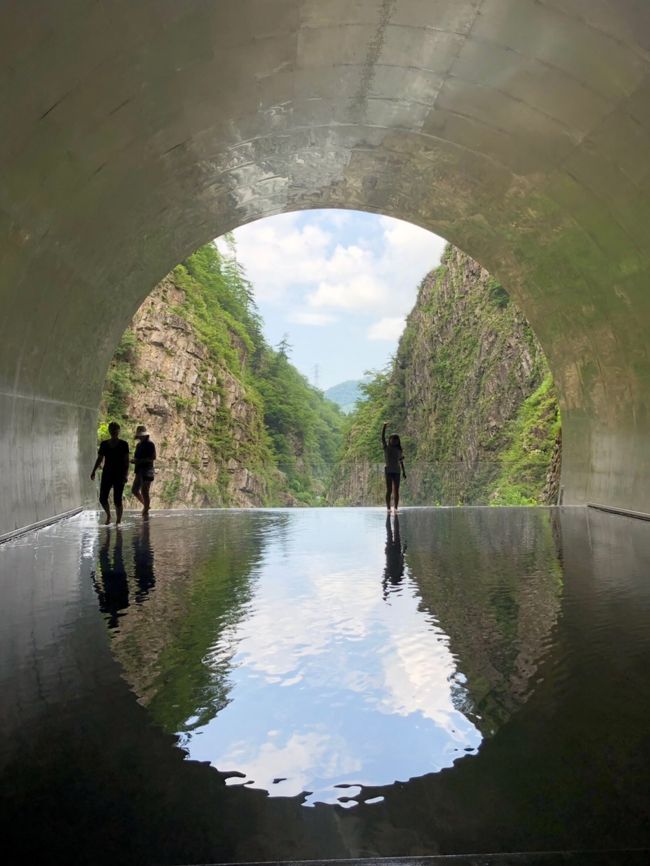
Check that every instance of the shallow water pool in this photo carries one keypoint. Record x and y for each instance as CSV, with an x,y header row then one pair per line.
x,y
293,684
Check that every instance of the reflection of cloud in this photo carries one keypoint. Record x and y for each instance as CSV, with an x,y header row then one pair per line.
x,y
334,606
335,672
417,671
303,757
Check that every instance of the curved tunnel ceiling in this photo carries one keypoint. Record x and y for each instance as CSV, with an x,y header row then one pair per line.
x,y
134,132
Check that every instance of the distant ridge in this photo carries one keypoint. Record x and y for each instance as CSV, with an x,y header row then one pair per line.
x,y
345,394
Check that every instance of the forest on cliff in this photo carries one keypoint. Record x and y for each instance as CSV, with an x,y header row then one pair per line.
x,y
471,395
236,424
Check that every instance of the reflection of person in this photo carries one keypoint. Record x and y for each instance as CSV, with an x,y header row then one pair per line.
x,y
114,590
143,563
394,464
114,454
394,570
143,458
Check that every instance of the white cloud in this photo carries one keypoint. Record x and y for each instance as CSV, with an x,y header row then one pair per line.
x,y
279,255
409,253
389,328
293,262
359,292
317,320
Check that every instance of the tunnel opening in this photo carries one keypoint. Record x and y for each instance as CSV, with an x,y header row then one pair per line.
x,y
494,124
457,368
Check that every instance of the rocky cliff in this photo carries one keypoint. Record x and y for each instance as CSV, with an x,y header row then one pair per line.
x,y
471,396
182,395
234,423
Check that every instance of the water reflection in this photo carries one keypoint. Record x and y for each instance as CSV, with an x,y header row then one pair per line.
x,y
111,579
537,619
494,580
143,562
112,587
276,659
394,569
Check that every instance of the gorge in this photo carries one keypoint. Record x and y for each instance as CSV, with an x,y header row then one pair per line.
x,y
236,424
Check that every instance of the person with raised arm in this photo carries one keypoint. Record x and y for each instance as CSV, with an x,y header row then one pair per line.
x,y
393,465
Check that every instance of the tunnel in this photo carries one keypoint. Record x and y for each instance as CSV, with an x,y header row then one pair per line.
x,y
132,133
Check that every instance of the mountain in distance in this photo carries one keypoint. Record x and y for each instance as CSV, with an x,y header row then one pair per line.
x,y
346,394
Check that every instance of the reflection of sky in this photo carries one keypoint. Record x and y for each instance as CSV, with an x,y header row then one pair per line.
x,y
330,684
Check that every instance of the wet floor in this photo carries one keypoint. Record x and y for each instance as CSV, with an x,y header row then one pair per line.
x,y
299,684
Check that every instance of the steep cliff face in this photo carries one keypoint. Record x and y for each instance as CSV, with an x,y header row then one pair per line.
x,y
235,424
470,394
184,397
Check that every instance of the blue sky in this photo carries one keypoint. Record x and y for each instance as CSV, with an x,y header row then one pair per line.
x,y
339,283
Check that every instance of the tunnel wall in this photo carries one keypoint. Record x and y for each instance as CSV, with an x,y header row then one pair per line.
x,y
132,133
46,448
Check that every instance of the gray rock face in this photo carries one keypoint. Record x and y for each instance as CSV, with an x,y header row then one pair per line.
x,y
465,364
181,394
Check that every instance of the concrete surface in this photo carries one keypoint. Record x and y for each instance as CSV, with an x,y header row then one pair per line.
x,y
134,132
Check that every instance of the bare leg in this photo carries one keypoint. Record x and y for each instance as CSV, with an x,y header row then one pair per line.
x,y
388,487
103,501
117,499
135,490
396,494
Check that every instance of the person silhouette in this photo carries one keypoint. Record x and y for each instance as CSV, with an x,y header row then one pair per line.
x,y
143,458
113,453
394,568
393,464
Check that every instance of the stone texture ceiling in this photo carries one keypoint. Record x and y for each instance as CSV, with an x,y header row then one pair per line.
x,y
132,132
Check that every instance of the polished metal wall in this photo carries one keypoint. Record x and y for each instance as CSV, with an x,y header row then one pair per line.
x,y
134,132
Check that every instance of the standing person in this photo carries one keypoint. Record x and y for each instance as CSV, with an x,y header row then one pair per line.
x,y
143,458
393,463
114,454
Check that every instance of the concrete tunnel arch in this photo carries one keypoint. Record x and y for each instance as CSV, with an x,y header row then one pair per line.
x,y
133,132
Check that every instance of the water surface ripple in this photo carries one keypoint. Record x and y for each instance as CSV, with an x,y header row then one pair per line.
x,y
448,680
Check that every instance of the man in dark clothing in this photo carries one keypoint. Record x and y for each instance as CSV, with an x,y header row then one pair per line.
x,y
114,454
143,458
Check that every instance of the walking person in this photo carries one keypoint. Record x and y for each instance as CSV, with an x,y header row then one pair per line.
x,y
393,465
113,453
143,459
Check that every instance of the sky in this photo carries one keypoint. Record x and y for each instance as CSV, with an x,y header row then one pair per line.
x,y
338,283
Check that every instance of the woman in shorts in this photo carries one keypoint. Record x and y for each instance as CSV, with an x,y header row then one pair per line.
x,y
393,465
143,459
